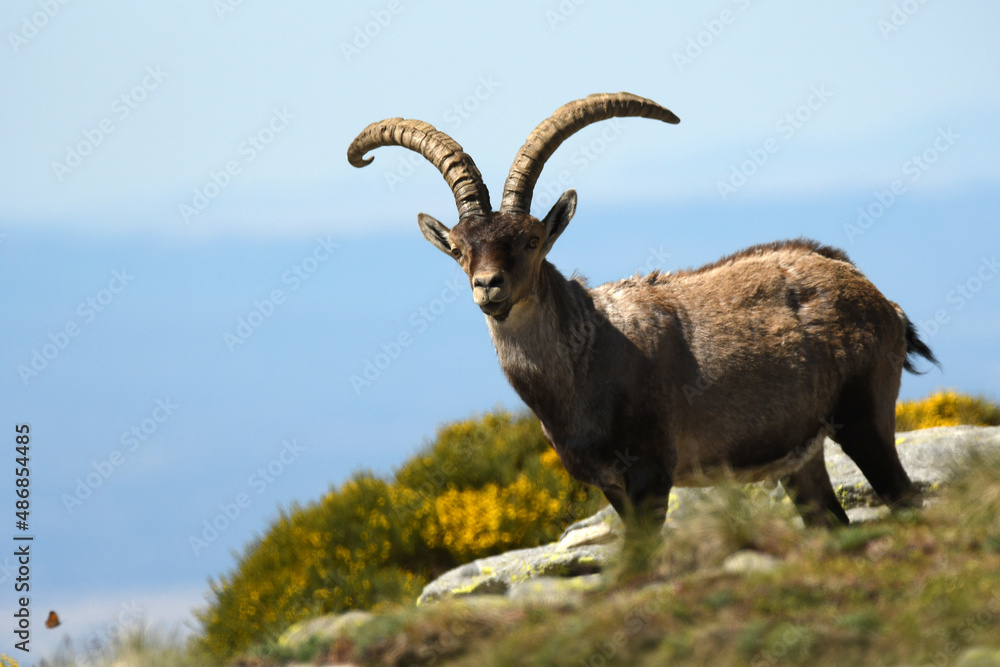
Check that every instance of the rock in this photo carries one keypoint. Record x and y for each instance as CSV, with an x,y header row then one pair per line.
x,y
599,533
498,574
605,516
979,657
748,560
554,591
864,514
586,546
327,628
927,455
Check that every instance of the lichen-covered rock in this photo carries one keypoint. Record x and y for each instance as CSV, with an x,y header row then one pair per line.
x,y
587,545
927,455
554,591
498,574
747,561
602,532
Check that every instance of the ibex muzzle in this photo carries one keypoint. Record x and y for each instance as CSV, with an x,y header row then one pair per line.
x,y
742,366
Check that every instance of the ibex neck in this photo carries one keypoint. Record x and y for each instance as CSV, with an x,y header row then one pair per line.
x,y
546,342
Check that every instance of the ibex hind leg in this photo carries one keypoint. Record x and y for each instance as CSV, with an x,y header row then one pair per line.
x,y
810,489
864,426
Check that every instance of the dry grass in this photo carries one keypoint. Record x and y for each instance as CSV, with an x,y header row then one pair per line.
x,y
916,588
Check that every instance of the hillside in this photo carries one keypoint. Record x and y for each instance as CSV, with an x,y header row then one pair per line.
x,y
739,582
473,529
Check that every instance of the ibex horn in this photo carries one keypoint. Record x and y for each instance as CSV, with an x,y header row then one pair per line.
x,y
566,120
457,167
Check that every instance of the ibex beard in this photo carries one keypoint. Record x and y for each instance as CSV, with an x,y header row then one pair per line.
x,y
740,367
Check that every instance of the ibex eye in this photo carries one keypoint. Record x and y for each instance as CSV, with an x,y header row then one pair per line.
x,y
533,243
456,253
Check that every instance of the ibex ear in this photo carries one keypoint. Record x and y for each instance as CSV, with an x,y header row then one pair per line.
x,y
435,232
557,219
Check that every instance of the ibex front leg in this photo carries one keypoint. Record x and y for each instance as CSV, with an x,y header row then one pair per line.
x,y
647,488
639,490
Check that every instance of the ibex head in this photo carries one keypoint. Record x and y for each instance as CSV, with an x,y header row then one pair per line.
x,y
501,251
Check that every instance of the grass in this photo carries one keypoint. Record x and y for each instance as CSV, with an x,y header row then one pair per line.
x,y
137,647
915,588
918,587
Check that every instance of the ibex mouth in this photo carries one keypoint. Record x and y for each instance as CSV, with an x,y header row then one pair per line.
x,y
498,310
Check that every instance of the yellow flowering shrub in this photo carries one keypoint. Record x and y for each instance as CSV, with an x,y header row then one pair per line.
x,y
492,518
483,486
946,408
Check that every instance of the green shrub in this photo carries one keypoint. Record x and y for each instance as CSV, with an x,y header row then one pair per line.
x,y
484,486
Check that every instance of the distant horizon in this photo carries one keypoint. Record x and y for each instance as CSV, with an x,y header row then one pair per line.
x,y
166,278
194,273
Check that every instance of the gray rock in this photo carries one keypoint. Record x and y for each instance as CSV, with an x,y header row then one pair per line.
x,y
554,591
598,533
498,574
865,514
606,516
748,560
979,657
927,455
587,546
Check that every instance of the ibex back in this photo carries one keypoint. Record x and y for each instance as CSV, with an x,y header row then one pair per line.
x,y
743,366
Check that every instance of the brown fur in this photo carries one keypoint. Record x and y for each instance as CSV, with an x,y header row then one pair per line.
x,y
743,365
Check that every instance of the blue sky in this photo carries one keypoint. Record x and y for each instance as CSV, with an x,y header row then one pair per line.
x,y
173,178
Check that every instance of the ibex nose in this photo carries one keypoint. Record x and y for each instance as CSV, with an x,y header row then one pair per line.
x,y
496,280
488,287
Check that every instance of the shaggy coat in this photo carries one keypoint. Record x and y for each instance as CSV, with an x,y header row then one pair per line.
x,y
742,366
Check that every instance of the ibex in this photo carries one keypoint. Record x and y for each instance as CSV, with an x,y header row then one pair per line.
x,y
665,380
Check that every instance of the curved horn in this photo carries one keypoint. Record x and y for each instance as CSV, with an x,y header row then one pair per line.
x,y
457,167
565,121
